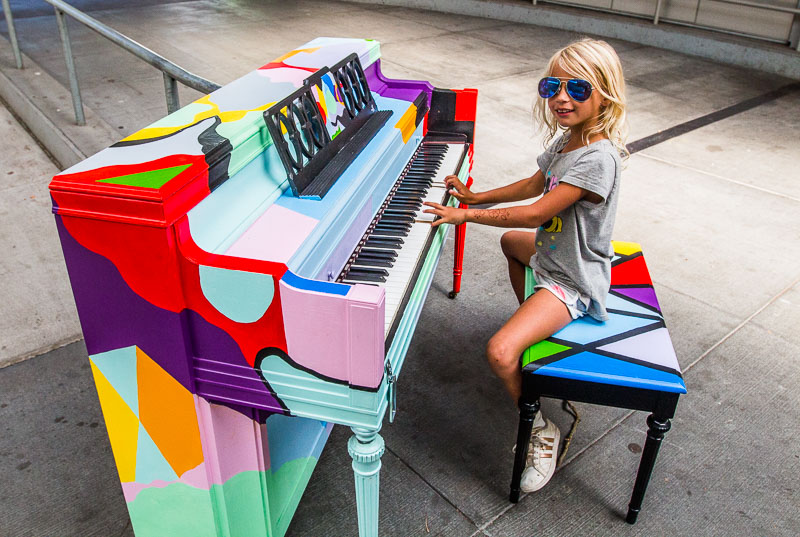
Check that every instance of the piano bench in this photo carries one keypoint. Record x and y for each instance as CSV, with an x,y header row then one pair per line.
x,y
627,362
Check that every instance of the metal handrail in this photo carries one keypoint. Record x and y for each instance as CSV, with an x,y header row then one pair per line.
x,y
794,40
12,34
172,72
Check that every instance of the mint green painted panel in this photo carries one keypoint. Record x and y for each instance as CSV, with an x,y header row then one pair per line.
x,y
241,296
176,510
311,397
286,487
179,510
118,366
150,462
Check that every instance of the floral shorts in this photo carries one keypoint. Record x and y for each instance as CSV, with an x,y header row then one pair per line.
x,y
576,303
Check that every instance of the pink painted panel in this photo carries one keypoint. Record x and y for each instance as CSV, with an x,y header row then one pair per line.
x,y
232,442
275,236
321,335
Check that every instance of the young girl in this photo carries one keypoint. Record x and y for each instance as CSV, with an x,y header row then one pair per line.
x,y
583,94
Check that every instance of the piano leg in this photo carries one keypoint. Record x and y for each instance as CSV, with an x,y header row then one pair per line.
x,y
458,263
366,447
461,232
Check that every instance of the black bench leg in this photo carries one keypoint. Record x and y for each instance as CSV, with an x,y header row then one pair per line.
x,y
527,411
655,433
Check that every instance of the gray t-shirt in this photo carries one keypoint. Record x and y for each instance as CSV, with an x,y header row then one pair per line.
x,y
574,248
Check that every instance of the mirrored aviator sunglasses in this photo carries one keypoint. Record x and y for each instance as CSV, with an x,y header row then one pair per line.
x,y
577,88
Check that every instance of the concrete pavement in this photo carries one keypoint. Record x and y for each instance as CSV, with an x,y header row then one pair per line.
x,y
717,210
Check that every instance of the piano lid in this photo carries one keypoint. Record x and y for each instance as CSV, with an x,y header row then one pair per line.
x,y
157,174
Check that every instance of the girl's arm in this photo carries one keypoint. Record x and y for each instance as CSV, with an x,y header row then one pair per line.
x,y
530,216
527,188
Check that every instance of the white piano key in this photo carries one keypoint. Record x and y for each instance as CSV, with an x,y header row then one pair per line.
x,y
414,243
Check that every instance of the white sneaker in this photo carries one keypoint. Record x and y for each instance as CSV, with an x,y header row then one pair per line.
x,y
542,457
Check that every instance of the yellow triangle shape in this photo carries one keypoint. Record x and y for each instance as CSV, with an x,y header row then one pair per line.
x,y
625,248
122,426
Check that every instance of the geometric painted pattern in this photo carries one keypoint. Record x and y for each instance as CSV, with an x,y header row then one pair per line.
x,y
150,417
632,348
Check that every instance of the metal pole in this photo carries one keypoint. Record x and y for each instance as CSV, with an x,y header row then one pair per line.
x,y
12,34
73,77
658,11
171,90
794,32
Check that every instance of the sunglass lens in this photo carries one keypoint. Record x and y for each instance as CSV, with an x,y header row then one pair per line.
x,y
578,89
548,87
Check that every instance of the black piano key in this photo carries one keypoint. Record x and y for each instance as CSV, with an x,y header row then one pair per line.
x,y
418,193
389,224
400,212
370,262
364,277
405,198
379,253
406,206
381,242
393,225
382,259
368,270
398,219
390,233
384,229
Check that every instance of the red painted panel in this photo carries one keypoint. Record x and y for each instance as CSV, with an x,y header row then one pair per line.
x,y
631,272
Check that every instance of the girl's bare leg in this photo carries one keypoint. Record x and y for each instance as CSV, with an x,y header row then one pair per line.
x,y
518,247
537,318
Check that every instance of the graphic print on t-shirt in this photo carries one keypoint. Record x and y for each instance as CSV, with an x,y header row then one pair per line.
x,y
554,225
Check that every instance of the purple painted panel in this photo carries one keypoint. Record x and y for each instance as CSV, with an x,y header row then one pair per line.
x,y
113,316
407,90
645,295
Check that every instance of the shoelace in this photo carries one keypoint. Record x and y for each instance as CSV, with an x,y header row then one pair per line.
x,y
538,446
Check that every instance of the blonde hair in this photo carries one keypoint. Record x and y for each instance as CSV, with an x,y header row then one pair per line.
x,y
597,62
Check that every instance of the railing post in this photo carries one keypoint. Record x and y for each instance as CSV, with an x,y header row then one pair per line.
x,y
658,11
73,77
12,34
171,91
794,33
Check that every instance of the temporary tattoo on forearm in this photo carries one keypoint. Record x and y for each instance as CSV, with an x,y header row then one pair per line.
x,y
493,214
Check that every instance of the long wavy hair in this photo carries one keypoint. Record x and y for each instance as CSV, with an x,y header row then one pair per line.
x,y
597,62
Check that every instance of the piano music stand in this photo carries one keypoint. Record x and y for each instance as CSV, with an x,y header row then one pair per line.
x,y
625,362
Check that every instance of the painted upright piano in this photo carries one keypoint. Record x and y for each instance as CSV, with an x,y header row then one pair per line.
x,y
249,270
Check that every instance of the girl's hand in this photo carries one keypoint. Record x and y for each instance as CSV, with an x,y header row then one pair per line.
x,y
447,215
459,191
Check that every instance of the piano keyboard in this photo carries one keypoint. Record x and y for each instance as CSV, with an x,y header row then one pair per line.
x,y
396,240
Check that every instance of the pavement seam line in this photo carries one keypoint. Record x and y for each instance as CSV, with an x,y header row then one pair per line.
x,y
722,177
436,490
711,118
744,322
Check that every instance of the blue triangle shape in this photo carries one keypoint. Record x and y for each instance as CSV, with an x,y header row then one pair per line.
x,y
586,330
119,368
150,463
591,367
